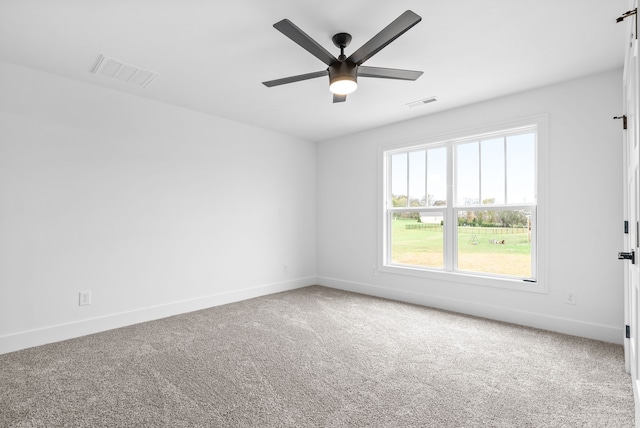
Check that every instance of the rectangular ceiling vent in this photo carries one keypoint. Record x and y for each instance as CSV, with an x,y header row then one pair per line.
x,y
119,70
422,102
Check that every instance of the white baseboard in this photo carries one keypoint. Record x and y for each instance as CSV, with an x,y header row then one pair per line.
x,y
56,333
546,322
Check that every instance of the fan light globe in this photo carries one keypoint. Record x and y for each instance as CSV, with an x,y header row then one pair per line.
x,y
343,78
344,86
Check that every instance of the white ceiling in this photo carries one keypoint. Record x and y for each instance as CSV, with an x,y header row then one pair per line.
x,y
212,56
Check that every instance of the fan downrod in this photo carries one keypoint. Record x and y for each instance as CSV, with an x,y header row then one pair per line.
x,y
341,40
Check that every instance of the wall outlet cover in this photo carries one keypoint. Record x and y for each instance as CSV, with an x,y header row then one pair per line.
x,y
84,298
570,297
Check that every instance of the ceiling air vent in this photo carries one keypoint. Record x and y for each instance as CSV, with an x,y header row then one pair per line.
x,y
119,70
422,102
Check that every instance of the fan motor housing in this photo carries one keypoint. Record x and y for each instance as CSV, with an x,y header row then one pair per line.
x,y
345,70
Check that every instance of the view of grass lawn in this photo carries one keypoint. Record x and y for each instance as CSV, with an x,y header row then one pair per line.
x,y
479,249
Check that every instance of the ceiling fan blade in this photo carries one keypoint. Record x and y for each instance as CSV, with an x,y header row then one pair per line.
x,y
388,73
388,34
339,98
298,78
290,30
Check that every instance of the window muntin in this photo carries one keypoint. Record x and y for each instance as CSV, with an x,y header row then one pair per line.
x,y
493,186
418,178
496,170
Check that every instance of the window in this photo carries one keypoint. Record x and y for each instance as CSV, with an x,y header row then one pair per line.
x,y
465,206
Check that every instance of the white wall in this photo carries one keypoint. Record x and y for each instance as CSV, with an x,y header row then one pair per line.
x,y
159,210
154,209
584,211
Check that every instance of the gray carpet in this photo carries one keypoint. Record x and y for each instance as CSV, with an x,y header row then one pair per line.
x,y
317,357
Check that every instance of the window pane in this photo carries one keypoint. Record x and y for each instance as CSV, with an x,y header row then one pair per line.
x,y
417,165
417,239
492,175
521,169
399,180
467,174
492,192
437,177
497,242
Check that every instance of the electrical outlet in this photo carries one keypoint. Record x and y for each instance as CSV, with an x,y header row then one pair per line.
x,y
570,297
84,298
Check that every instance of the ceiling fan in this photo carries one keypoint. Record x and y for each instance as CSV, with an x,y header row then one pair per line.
x,y
344,71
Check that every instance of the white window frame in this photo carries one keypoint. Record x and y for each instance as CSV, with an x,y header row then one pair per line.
x,y
539,251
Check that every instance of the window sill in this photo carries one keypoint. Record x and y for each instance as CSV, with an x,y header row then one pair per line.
x,y
466,278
